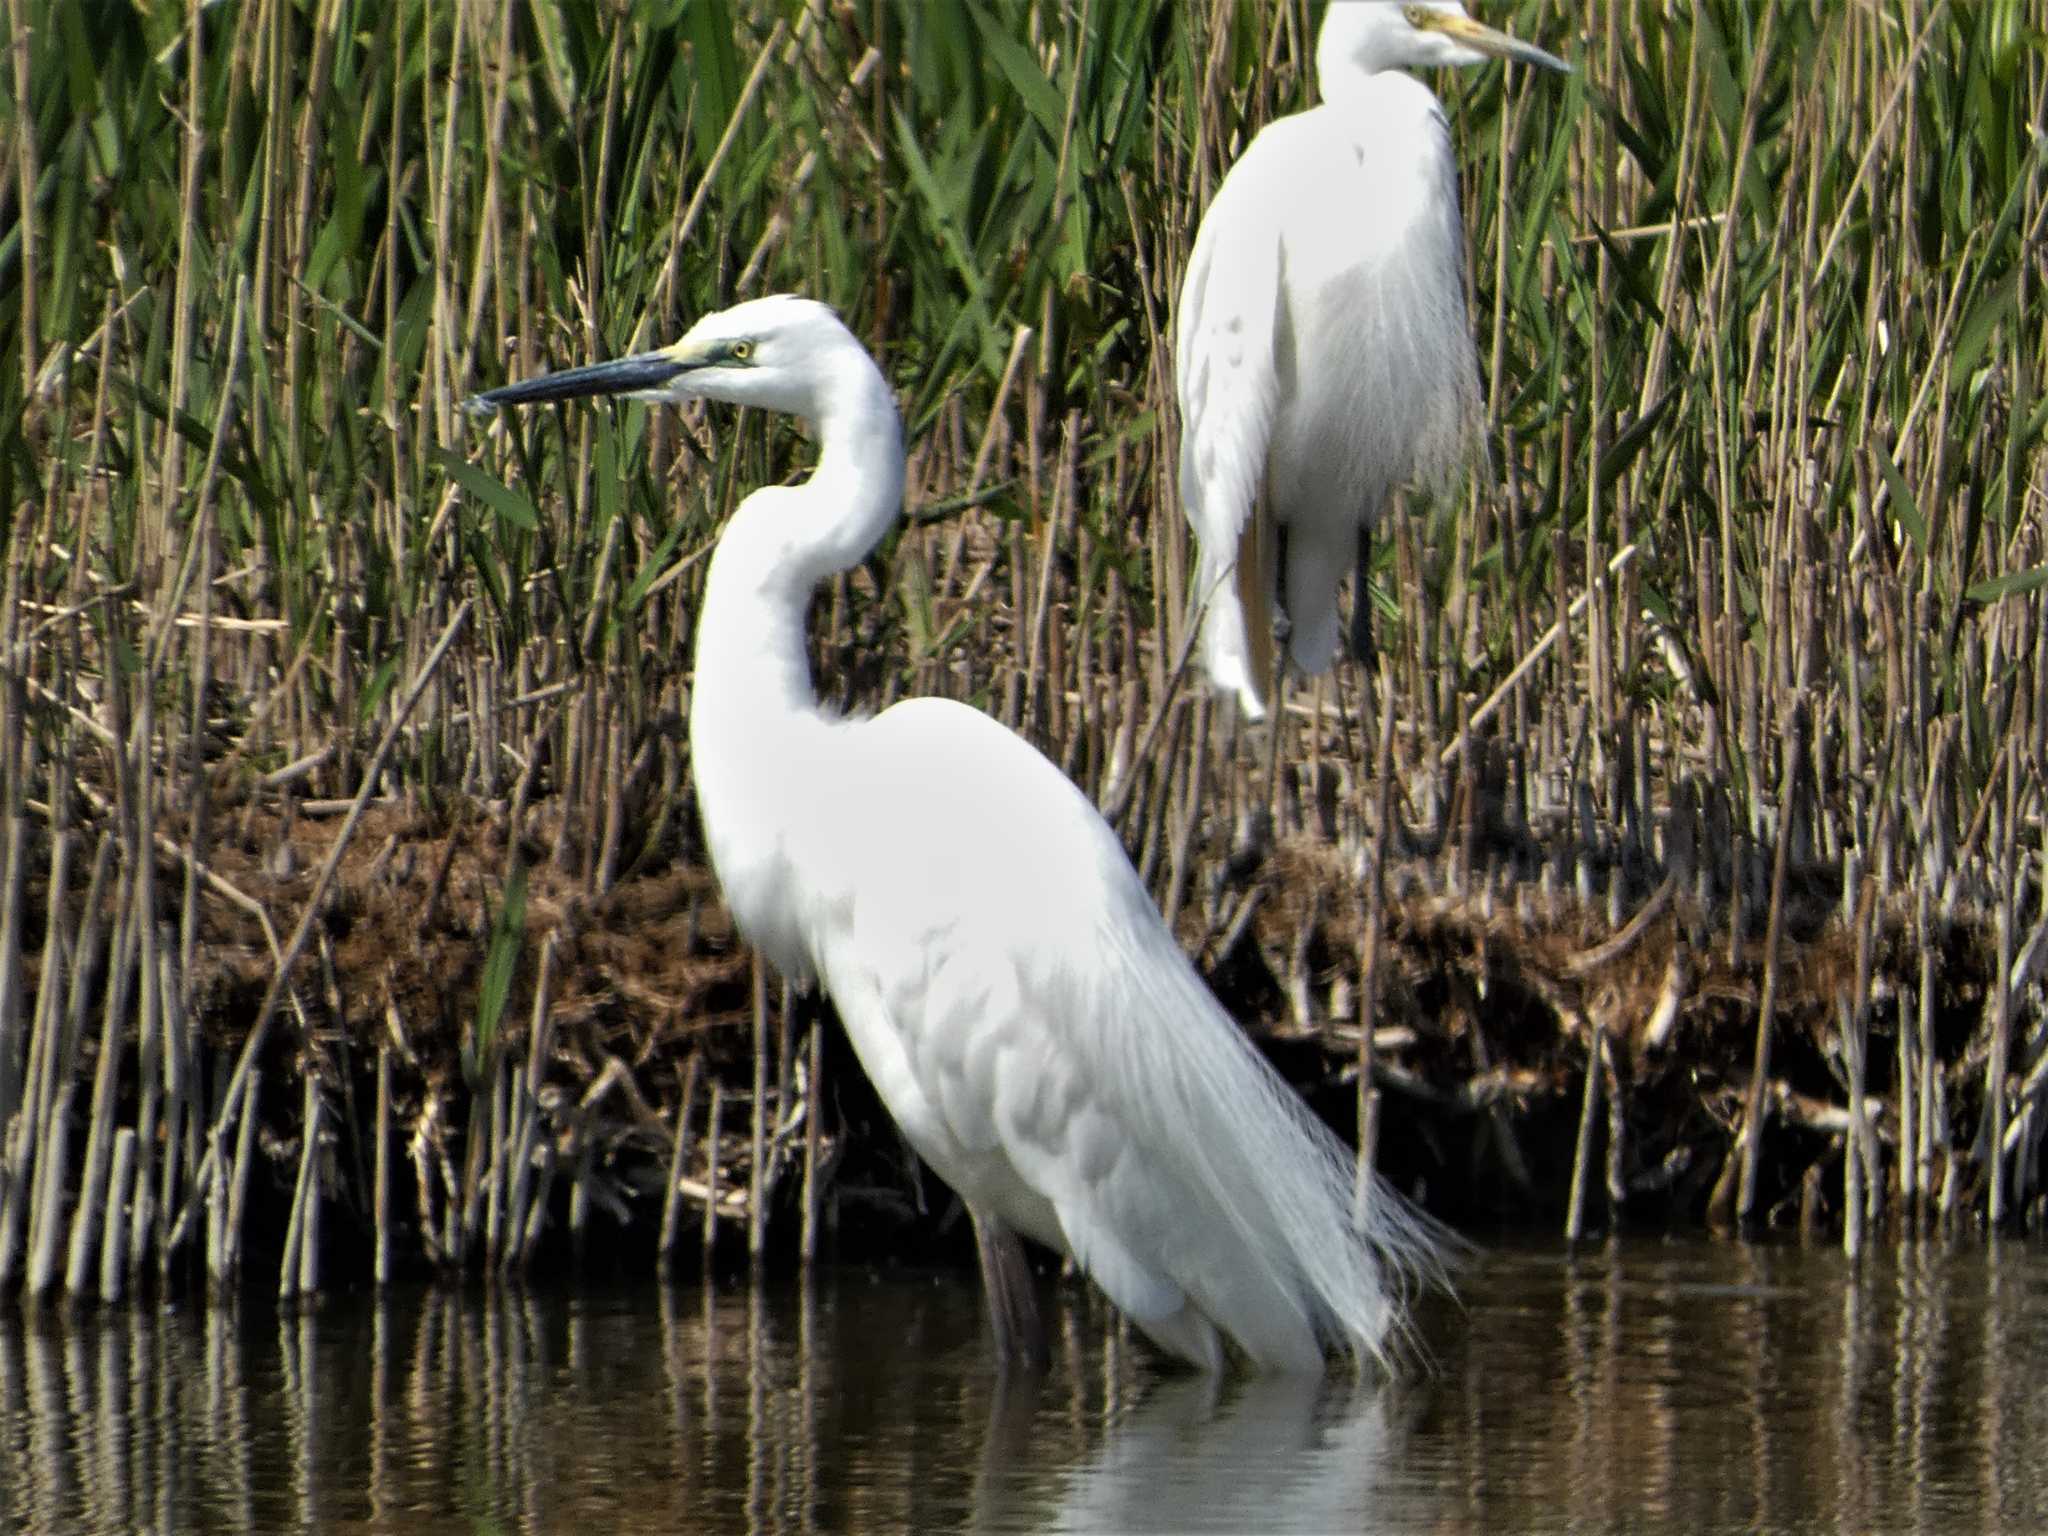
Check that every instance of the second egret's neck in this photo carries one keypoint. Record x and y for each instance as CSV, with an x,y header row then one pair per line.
x,y
1349,53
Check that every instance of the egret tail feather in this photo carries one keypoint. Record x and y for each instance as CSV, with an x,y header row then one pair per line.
x,y
1255,578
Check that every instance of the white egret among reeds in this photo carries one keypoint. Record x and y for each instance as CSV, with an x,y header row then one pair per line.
x,y
1323,356
1007,982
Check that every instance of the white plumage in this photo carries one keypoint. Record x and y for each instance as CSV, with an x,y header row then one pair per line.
x,y
1008,985
1323,354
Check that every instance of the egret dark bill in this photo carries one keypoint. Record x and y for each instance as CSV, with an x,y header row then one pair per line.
x,y
623,376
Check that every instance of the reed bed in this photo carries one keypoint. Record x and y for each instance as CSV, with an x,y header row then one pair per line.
x,y
1685,851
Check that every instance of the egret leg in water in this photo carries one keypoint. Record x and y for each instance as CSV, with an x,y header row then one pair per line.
x,y
1323,357
1005,979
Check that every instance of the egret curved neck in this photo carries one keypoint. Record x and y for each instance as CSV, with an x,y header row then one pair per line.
x,y
752,660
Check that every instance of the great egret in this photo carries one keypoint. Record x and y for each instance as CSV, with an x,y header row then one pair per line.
x,y
1011,991
1323,357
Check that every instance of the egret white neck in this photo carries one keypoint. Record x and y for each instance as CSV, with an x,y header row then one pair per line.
x,y
756,728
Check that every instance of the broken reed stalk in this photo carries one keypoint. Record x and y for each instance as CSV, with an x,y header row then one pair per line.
x,y
509,1131
1181,866
181,1146
1993,1138
1906,1083
672,1193
1617,1131
13,880
148,1063
85,1217
536,1216
579,1191
309,1229
1863,1120
785,1086
498,1132
1461,834
45,1062
814,1109
1930,1075
466,1208
711,1167
301,1228
52,1163
520,1222
216,1198
427,1225
2010,874
53,1168
2025,1135
238,1185
149,1000
757,1205
380,1203
120,1186
1375,923
1851,1022
1758,1102
1582,1156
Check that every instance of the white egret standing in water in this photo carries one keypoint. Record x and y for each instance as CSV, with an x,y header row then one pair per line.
x,y
1323,357
1011,990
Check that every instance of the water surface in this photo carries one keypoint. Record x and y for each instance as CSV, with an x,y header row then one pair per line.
x,y
1641,1386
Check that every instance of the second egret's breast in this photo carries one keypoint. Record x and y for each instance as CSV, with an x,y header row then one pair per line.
x,y
1377,372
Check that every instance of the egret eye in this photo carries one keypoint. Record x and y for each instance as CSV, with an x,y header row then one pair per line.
x,y
742,351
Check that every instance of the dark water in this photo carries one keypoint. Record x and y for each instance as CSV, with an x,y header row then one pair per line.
x,y
1640,1387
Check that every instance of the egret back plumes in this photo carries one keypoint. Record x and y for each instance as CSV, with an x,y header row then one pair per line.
x,y
1005,979
1323,355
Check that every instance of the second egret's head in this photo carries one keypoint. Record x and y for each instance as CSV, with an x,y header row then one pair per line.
x,y
1368,36
782,352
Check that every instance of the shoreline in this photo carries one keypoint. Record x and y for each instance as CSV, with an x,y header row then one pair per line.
x,y
1494,992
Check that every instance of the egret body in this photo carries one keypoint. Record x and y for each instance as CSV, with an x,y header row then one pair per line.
x,y
1323,355
1005,979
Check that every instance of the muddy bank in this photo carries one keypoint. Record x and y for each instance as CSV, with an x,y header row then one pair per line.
x,y
502,1067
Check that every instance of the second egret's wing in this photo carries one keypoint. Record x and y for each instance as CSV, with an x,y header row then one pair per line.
x,y
1227,359
1226,338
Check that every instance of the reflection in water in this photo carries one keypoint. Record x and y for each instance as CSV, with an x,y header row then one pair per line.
x,y
1265,1454
1638,1387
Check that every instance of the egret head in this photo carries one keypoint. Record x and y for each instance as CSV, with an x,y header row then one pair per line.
x,y
1368,36
782,352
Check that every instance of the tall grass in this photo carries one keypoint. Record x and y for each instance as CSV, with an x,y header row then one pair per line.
x,y
1757,300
